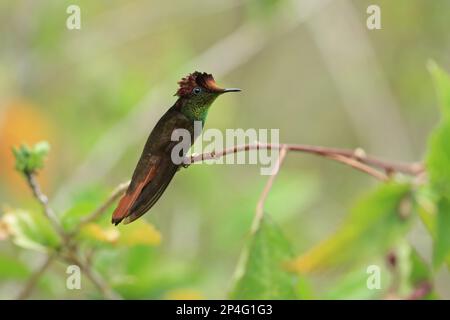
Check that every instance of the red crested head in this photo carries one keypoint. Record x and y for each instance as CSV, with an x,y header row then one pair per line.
x,y
197,79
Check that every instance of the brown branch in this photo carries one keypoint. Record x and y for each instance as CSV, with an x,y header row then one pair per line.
x,y
43,200
353,158
357,155
359,166
262,199
32,281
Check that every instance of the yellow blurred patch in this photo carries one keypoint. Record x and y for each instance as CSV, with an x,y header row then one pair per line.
x,y
139,232
184,294
110,235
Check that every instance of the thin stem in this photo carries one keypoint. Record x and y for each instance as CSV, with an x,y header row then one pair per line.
x,y
95,278
353,158
32,281
43,200
115,195
358,155
359,166
262,199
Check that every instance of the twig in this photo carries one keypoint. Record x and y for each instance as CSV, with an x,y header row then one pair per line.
x,y
352,158
32,281
262,199
95,278
116,194
359,166
43,200
389,166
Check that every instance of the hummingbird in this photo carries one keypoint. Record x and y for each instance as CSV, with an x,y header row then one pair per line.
x,y
155,168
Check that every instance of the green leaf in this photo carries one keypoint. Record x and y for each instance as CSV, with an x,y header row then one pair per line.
x,y
376,222
441,249
438,166
31,230
29,160
419,277
260,273
438,157
434,213
305,289
442,83
11,268
420,271
353,285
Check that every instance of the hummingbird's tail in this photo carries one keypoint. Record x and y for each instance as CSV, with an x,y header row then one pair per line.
x,y
130,197
137,202
151,193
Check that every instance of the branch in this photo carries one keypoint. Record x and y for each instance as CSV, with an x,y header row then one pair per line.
x,y
115,195
95,278
32,281
262,199
356,159
357,155
43,200
358,166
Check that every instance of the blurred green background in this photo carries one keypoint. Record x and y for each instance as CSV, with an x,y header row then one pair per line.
x,y
310,68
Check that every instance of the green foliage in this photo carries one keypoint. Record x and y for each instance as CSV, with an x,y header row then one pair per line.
x,y
29,160
260,274
374,225
11,268
438,165
441,250
353,285
268,269
419,271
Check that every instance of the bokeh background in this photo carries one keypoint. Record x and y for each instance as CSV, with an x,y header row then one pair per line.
x,y
310,68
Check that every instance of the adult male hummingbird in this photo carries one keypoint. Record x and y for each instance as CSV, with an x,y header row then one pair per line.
x,y
155,168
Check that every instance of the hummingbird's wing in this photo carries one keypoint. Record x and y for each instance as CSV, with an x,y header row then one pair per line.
x,y
154,170
153,190
137,184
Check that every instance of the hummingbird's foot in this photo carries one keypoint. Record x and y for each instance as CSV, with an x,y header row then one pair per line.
x,y
183,165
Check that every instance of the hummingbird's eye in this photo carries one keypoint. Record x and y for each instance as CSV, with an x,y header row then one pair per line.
x,y
197,90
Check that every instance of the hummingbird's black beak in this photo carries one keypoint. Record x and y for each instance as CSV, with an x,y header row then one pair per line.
x,y
231,90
